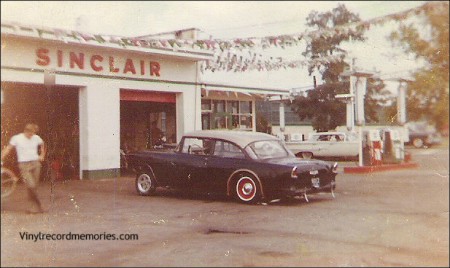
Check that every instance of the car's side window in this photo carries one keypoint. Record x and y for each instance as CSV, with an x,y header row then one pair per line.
x,y
337,137
226,149
197,146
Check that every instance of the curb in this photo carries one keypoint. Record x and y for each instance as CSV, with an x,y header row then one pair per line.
x,y
369,169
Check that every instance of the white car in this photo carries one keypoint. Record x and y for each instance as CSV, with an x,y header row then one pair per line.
x,y
327,144
421,134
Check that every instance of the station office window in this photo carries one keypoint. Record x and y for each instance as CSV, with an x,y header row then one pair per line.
x,y
226,114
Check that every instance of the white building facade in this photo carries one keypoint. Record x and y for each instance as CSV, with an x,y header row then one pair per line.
x,y
89,98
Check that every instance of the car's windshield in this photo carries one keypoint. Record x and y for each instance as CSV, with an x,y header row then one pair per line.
x,y
268,149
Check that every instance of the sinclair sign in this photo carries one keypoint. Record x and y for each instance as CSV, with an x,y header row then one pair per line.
x,y
97,63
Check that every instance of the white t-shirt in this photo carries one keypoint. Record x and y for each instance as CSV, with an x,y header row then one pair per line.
x,y
27,149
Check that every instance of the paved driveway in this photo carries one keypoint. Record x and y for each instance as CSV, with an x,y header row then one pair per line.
x,y
391,218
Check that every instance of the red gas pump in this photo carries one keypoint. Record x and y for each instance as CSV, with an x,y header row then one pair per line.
x,y
374,147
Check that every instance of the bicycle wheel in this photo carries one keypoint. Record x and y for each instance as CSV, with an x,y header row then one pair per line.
x,y
9,181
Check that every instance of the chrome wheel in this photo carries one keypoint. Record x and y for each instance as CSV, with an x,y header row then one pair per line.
x,y
418,142
145,184
246,189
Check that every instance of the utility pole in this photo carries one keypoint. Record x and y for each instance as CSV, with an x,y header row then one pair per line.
x,y
282,120
350,107
401,103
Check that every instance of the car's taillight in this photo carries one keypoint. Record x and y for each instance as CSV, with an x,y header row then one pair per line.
x,y
294,174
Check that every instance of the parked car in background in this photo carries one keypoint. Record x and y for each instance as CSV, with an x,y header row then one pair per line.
x,y
248,166
327,144
421,134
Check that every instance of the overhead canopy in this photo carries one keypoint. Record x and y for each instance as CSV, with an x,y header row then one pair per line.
x,y
236,92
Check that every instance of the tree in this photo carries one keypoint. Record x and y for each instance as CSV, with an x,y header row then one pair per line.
x,y
428,94
376,100
320,105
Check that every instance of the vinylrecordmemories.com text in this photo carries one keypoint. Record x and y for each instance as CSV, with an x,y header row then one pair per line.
x,y
76,236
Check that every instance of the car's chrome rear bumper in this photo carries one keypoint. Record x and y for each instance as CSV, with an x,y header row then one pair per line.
x,y
296,190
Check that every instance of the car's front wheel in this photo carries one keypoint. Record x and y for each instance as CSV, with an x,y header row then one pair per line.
x,y
418,142
145,183
246,189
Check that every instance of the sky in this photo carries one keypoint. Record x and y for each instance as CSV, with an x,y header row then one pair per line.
x,y
223,19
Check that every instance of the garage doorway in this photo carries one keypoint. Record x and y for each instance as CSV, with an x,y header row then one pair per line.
x,y
138,110
55,110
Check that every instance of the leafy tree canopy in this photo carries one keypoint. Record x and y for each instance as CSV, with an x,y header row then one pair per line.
x,y
320,105
428,94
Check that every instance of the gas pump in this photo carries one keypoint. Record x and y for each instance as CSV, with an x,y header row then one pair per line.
x,y
399,150
393,147
372,147
375,144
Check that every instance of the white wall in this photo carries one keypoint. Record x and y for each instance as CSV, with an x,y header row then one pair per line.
x,y
99,126
187,119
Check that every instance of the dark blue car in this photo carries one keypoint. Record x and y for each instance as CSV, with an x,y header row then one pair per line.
x,y
249,166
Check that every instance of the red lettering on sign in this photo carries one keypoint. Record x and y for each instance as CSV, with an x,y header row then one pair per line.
x,y
95,58
60,58
129,67
111,66
78,60
43,58
142,67
97,63
154,68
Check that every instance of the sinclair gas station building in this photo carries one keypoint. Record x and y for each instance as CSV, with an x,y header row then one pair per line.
x,y
89,96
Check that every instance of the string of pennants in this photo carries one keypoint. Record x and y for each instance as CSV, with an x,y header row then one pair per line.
x,y
239,54
241,62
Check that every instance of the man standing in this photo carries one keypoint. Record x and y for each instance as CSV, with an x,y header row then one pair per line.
x,y
29,157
